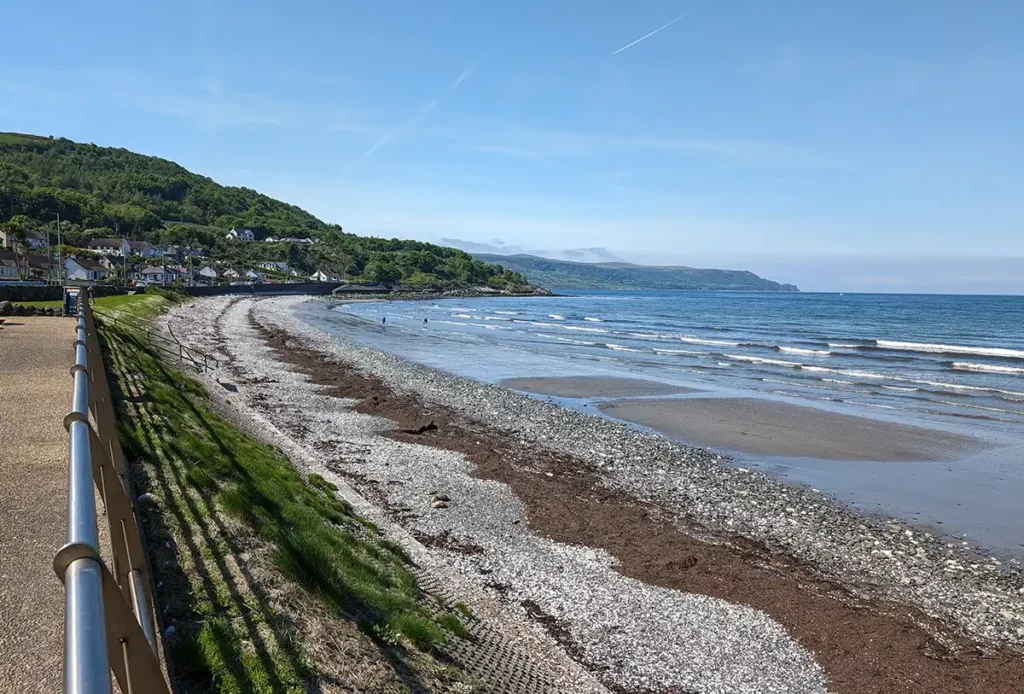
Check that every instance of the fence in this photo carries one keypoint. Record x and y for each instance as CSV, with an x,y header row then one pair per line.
x,y
167,346
108,612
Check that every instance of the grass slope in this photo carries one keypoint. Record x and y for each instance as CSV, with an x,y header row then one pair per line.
x,y
251,559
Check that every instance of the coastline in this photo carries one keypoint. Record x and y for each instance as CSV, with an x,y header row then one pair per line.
x,y
733,521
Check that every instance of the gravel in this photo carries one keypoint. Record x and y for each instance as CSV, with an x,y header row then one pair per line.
x,y
648,638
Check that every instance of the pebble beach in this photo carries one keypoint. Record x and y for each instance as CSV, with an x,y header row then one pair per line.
x,y
622,621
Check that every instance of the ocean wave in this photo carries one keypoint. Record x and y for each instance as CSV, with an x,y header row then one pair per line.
x,y
987,368
902,389
620,348
541,324
461,315
496,318
704,341
566,339
586,330
555,316
762,360
508,313
690,352
951,349
593,320
801,350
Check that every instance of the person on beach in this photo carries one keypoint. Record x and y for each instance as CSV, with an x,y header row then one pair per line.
x,y
384,322
424,322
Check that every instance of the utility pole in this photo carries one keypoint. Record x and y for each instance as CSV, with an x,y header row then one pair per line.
x,y
60,262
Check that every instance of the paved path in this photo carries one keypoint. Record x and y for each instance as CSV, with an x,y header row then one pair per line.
x,y
35,393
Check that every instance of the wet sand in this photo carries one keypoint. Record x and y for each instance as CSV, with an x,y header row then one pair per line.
x,y
593,387
763,427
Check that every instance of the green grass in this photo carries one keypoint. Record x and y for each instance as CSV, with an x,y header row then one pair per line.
x,y
314,538
136,305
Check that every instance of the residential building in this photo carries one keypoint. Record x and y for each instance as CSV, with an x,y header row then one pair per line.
x,y
84,269
231,274
34,240
154,274
8,268
208,273
145,249
276,267
34,266
119,247
321,276
253,276
237,234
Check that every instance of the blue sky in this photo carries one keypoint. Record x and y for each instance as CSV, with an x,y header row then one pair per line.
x,y
828,141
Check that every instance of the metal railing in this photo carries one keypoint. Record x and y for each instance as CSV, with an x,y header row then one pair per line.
x,y
167,346
108,612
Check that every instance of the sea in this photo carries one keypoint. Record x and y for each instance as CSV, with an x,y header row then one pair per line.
x,y
954,363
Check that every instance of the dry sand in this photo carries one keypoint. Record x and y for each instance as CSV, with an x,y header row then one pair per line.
x,y
764,427
593,387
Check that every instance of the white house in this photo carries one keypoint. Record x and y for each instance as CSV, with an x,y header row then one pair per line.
x,y
111,246
237,234
253,276
145,249
85,269
231,274
8,269
160,275
276,267
321,276
208,273
33,239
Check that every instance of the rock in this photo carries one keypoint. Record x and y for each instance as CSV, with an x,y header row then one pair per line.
x,y
148,499
438,504
6,308
441,497
169,631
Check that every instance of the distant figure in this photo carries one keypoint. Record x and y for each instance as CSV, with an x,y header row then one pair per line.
x,y
424,321
384,321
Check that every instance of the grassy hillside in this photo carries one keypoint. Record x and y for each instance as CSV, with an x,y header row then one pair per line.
x,y
561,273
103,191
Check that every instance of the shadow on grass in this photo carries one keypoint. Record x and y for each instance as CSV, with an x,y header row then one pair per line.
x,y
201,466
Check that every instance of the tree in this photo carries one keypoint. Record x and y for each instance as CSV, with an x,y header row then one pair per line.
x,y
383,272
17,229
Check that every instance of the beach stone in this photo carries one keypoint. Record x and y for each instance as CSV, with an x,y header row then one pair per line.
x,y
5,308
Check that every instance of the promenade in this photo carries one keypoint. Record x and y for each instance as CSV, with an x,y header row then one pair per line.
x,y
35,393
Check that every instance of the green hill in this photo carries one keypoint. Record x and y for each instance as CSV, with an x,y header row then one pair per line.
x,y
104,191
570,275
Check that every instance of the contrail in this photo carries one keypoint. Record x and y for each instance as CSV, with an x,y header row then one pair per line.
x,y
647,36
399,130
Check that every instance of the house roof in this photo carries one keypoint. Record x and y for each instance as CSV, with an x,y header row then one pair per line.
x,y
154,270
87,264
97,243
142,245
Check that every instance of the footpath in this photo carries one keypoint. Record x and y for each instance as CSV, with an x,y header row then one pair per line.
x,y
35,394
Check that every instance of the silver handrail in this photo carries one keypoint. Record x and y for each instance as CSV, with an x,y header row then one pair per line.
x,y
85,649
108,618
